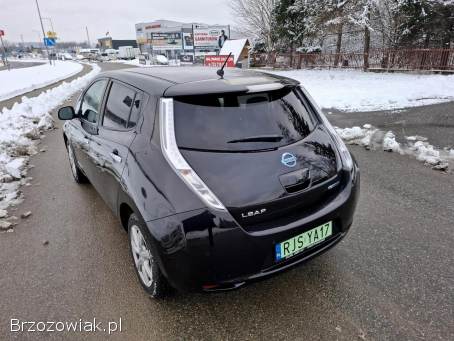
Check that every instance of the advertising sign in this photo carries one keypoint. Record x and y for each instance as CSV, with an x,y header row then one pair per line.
x,y
218,61
141,37
210,37
166,41
188,41
187,58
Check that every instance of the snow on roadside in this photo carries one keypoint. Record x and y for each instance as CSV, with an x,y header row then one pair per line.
x,y
352,90
373,138
21,128
18,81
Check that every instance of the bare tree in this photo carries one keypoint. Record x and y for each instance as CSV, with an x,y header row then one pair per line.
x,y
255,18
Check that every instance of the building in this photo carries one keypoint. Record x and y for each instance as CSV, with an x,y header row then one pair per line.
x,y
239,48
180,40
109,43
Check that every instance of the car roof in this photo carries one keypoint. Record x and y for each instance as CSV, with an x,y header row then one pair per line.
x,y
196,80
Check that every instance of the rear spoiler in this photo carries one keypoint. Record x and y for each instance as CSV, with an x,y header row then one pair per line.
x,y
233,85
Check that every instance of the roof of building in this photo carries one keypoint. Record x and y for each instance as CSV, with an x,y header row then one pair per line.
x,y
234,46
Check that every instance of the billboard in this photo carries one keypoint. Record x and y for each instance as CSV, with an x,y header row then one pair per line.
x,y
218,61
210,37
188,41
166,41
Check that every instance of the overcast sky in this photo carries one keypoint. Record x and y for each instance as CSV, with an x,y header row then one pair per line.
x,y
118,17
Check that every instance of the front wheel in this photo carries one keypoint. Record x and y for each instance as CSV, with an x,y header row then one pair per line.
x,y
147,269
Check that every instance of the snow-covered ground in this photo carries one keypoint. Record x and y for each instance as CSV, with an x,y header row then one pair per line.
x,y
351,90
418,146
18,81
21,129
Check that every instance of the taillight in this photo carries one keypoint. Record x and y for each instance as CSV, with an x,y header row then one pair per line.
x,y
177,162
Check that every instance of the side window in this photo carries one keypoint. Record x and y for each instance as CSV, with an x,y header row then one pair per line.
x,y
135,111
91,103
118,106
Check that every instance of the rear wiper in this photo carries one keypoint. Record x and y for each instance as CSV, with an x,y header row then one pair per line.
x,y
259,138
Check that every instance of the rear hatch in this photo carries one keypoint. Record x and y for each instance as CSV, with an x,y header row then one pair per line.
x,y
263,154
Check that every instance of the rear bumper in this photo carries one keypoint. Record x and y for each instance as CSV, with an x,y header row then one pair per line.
x,y
203,250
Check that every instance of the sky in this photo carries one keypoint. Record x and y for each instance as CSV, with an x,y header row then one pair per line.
x,y
20,17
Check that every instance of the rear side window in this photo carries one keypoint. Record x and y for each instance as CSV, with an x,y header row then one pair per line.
x,y
241,122
118,106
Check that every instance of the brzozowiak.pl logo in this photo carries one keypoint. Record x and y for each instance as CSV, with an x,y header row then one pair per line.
x,y
77,326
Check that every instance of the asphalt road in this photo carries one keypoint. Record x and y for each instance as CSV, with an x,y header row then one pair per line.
x,y
19,65
392,278
436,122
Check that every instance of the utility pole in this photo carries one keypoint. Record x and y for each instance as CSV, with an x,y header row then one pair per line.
x,y
51,23
88,37
44,34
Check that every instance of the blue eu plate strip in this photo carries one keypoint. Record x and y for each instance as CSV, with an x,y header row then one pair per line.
x,y
278,252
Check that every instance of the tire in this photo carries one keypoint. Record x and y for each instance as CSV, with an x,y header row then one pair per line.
x,y
78,176
147,268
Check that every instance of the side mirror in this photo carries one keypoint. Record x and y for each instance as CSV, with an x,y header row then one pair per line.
x,y
66,113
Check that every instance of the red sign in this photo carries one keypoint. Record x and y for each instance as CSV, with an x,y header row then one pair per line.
x,y
218,61
2,33
152,26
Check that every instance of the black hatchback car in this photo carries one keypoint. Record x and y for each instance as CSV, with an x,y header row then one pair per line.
x,y
219,181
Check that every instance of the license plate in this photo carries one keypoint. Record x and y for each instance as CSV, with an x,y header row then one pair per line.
x,y
294,245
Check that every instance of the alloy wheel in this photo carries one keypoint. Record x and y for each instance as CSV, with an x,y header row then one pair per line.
x,y
142,256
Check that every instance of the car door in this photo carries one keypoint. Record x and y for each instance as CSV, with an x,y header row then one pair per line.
x,y
115,135
87,125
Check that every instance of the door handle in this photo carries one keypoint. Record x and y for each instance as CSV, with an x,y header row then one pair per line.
x,y
114,155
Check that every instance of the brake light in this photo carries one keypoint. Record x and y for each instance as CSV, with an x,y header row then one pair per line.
x,y
177,162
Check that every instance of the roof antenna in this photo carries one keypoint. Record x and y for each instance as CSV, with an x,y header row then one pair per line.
x,y
220,72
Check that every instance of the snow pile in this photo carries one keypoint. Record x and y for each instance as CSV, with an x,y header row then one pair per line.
x,y
21,128
19,81
390,144
374,138
426,152
351,90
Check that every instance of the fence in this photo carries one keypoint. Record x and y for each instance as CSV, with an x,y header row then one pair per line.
x,y
379,59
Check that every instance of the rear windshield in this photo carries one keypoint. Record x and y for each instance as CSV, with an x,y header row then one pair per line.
x,y
242,122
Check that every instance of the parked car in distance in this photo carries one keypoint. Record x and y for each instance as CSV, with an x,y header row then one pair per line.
x,y
218,181
159,59
103,57
112,53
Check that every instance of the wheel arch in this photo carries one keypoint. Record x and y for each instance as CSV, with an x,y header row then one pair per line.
x,y
126,207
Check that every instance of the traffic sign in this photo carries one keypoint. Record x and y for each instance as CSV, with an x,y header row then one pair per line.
x,y
51,34
49,41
